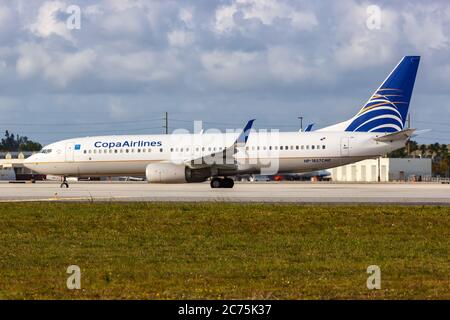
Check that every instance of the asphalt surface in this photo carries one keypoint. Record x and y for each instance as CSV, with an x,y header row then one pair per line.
x,y
393,193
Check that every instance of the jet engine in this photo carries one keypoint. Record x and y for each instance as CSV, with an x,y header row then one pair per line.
x,y
175,173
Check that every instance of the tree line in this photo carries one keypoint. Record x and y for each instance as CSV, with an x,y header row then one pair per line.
x,y
15,142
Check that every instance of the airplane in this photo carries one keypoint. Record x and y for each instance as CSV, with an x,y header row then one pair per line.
x,y
378,128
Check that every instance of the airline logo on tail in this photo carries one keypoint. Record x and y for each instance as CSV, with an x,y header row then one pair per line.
x,y
387,108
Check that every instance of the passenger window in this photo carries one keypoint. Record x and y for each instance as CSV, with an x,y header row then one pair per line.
x,y
161,150
303,147
307,147
171,149
270,147
296,147
84,151
139,150
312,147
276,147
318,147
95,151
127,150
287,147
323,147
281,147
115,150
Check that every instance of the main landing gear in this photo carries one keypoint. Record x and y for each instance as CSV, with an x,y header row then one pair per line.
x,y
64,184
222,183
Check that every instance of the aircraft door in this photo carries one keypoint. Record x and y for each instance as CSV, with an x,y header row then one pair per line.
x,y
345,147
69,152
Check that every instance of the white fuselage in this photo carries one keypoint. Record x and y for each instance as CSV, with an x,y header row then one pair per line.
x,y
282,152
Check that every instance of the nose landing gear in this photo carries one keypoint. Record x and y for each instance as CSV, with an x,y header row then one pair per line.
x,y
64,184
222,183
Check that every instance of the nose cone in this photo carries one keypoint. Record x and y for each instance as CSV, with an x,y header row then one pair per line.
x,y
30,162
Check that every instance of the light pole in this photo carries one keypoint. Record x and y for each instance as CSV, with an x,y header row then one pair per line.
x,y
166,122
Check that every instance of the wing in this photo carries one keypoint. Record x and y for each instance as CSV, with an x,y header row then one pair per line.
x,y
224,158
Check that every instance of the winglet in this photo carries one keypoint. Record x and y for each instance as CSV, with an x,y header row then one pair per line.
x,y
243,137
309,127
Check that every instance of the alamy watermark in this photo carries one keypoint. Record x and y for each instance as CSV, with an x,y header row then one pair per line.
x,y
73,22
374,280
373,21
74,280
213,147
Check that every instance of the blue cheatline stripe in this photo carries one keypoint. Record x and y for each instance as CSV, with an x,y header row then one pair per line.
x,y
378,122
369,115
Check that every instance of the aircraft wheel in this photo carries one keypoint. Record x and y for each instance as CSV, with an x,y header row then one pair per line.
x,y
216,183
227,183
64,185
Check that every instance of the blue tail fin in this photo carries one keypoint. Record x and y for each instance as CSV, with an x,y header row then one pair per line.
x,y
387,109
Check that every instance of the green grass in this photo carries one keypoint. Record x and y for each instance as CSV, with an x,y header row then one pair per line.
x,y
215,250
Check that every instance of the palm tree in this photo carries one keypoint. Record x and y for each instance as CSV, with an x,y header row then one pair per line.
x,y
423,150
443,151
433,149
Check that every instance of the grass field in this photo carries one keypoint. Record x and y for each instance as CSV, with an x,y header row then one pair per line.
x,y
212,251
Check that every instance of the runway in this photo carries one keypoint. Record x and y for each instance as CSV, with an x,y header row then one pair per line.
x,y
393,193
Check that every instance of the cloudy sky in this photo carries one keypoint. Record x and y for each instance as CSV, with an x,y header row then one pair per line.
x,y
222,62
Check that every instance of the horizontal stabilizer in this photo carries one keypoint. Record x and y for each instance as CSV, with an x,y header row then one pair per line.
x,y
400,135
419,132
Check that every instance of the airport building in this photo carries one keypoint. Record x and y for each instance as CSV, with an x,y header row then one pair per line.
x,y
11,166
384,169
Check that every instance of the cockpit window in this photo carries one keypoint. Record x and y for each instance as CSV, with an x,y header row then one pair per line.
x,y
46,150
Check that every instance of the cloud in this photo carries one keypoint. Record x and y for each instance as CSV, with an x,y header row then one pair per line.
x,y
180,38
265,11
234,69
214,59
288,66
60,69
47,22
361,46
426,29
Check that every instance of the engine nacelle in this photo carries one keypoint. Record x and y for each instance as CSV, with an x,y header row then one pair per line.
x,y
175,173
